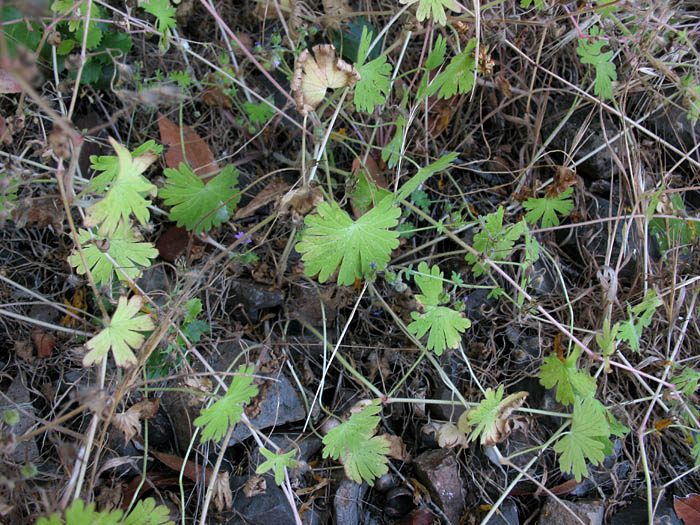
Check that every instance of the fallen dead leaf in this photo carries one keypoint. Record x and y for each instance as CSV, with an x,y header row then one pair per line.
x,y
397,448
196,152
688,509
313,76
223,497
254,486
268,194
449,436
300,202
8,84
564,178
44,342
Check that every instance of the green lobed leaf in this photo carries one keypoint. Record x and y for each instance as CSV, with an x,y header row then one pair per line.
x,y
369,461
546,208
374,85
437,55
196,205
276,462
434,9
359,247
458,76
364,456
494,240
571,383
131,254
591,52
126,192
121,335
392,151
486,413
443,323
423,174
586,440
145,512
640,317
227,411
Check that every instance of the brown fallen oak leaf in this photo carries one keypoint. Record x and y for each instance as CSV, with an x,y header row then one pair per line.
x,y
129,422
44,343
268,194
8,84
314,75
688,508
196,152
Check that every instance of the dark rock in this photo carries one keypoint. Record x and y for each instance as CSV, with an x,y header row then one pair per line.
x,y
598,166
636,512
253,297
438,470
17,397
507,514
590,512
156,283
385,482
348,502
446,412
398,502
270,507
421,516
281,405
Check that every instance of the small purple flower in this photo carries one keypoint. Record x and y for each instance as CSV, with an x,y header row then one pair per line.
x,y
275,63
373,265
242,235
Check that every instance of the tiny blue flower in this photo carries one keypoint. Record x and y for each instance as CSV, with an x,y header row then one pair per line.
x,y
373,265
275,63
241,235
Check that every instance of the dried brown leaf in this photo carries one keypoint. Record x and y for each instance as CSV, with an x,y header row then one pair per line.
x,y
196,151
254,486
449,436
268,194
8,84
313,76
688,509
44,342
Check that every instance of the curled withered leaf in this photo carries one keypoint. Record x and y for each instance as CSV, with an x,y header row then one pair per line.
x,y
314,75
449,436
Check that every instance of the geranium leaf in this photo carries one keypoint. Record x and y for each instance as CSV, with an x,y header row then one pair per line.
x,y
586,440
126,193
196,205
121,335
333,239
227,411
122,245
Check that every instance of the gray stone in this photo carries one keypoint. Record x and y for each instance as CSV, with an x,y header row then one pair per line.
x,y
438,470
347,502
591,512
253,297
17,398
507,514
636,512
282,405
270,507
